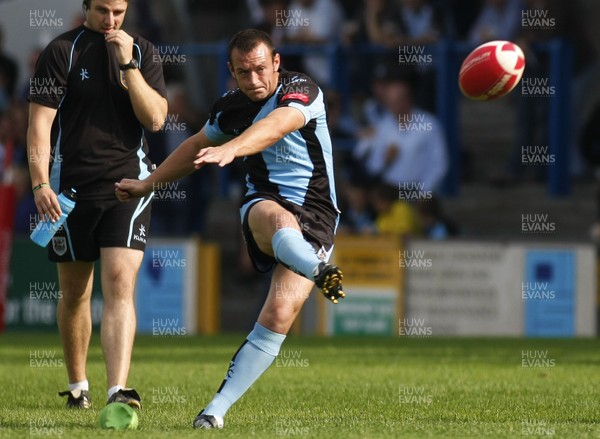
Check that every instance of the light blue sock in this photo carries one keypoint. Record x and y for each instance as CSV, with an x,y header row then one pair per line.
x,y
293,251
250,361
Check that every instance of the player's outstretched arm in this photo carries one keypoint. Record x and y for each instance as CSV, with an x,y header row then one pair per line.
x,y
256,138
179,164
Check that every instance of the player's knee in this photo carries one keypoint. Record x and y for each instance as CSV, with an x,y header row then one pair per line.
x,y
74,292
118,297
118,287
279,319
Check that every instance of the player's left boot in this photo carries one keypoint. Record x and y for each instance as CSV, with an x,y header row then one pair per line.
x,y
208,421
329,281
126,396
77,399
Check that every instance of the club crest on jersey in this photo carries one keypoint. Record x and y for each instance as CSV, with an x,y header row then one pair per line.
x,y
59,245
295,96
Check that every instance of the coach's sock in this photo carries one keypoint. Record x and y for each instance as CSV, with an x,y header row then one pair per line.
x,y
81,385
293,251
250,361
113,390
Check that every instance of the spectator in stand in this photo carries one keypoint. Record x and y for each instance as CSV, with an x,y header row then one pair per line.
x,y
373,108
17,116
419,21
6,148
394,216
13,140
420,26
356,35
406,145
498,20
435,224
590,149
314,22
213,21
457,16
374,24
23,92
409,27
342,127
9,72
271,22
358,213
561,20
180,208
356,204
396,22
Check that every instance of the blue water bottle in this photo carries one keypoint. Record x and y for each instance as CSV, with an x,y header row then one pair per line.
x,y
45,230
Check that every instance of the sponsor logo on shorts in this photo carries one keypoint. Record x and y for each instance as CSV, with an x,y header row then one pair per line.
x,y
141,234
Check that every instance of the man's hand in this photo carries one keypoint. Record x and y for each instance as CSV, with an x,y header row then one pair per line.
x,y
221,155
46,202
123,44
127,189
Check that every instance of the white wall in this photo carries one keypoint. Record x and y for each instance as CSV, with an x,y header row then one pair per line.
x,y
21,37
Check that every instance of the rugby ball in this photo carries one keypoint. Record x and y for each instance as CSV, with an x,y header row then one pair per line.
x,y
491,70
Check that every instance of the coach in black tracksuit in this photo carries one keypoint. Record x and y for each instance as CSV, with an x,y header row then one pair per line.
x,y
95,89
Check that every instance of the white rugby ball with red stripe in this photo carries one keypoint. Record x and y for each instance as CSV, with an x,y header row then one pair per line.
x,y
491,70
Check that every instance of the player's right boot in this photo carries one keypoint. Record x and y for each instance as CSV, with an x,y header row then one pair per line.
x,y
126,396
207,421
77,399
329,281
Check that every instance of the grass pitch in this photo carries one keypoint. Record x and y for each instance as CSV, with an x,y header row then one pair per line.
x,y
322,388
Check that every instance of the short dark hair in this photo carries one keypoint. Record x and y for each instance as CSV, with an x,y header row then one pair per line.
x,y
248,39
86,4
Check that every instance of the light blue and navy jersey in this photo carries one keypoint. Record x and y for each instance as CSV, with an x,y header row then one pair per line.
x,y
96,136
297,168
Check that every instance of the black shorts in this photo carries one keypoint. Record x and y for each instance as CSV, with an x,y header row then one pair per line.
x,y
318,230
94,224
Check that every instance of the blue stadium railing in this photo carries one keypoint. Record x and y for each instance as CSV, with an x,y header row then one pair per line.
x,y
448,56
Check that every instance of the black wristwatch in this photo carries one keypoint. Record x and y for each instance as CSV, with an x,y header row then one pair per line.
x,y
133,64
